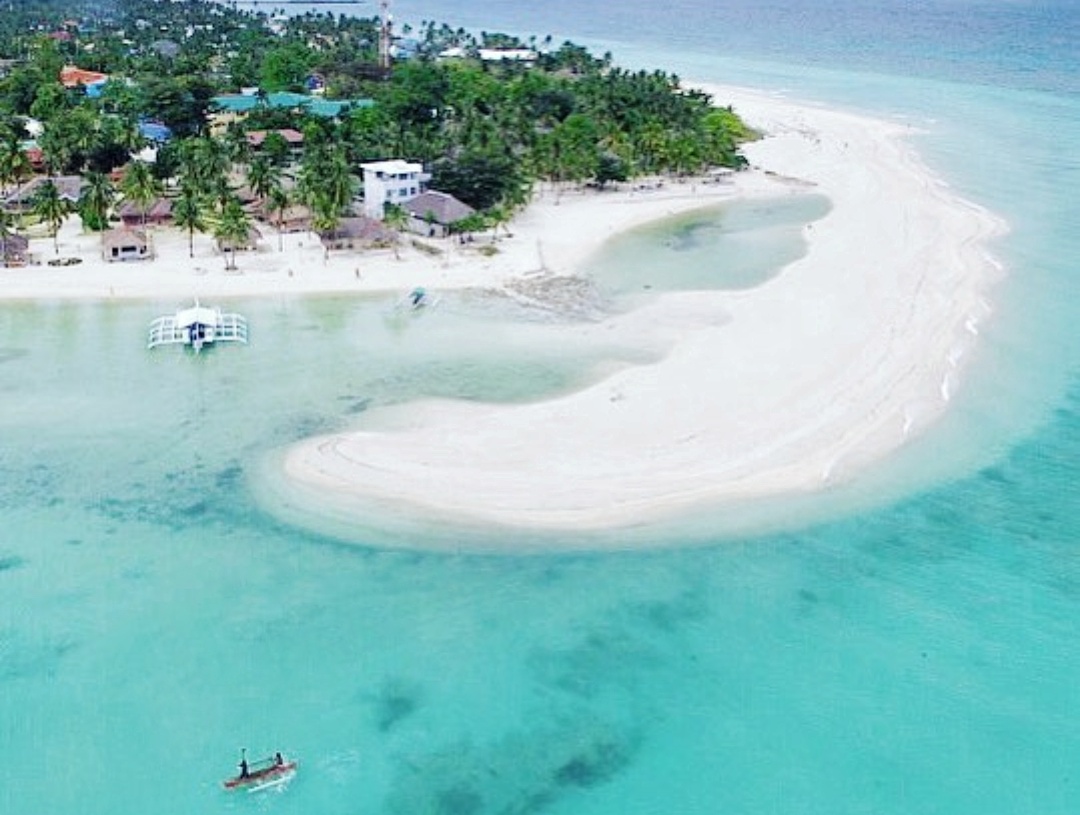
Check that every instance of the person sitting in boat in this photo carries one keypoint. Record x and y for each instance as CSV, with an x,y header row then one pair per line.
x,y
278,759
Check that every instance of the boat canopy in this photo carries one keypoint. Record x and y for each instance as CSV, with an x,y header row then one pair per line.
x,y
197,315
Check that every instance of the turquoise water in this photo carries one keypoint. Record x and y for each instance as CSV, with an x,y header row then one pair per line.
x,y
916,654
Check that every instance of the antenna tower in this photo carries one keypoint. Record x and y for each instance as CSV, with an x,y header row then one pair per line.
x,y
384,35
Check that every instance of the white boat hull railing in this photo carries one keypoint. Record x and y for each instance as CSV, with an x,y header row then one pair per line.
x,y
174,330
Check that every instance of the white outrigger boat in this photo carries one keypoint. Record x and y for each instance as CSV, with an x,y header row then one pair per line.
x,y
197,326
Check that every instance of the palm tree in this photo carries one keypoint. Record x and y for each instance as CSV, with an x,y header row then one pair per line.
x,y
14,164
396,217
325,218
50,208
189,212
278,201
7,229
125,133
263,176
325,180
96,200
232,230
202,162
338,181
140,187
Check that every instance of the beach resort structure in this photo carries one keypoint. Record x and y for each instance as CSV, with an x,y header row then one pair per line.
x,y
292,137
157,212
234,107
125,243
68,187
358,233
391,182
434,213
14,250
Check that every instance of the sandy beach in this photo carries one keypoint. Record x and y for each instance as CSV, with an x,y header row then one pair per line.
x,y
791,387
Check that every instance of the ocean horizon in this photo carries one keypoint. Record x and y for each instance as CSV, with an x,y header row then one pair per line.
x,y
911,650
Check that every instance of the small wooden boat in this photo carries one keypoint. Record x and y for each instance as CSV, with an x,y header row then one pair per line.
x,y
263,774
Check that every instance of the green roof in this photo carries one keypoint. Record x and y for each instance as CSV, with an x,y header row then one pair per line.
x,y
242,103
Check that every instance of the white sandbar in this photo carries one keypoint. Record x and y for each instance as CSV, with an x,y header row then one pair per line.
x,y
789,387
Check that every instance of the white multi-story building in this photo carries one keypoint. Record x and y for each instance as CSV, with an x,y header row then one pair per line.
x,y
391,182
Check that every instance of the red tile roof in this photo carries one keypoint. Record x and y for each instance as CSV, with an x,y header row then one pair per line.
x,y
71,76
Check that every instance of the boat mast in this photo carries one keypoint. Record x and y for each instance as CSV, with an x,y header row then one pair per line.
x,y
385,22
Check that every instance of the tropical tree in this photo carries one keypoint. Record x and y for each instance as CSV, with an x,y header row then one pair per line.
x,y
203,161
325,218
232,230
51,208
263,176
7,229
97,198
277,201
140,187
396,217
189,212
14,163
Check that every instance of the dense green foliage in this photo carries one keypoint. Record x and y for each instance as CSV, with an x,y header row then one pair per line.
x,y
488,130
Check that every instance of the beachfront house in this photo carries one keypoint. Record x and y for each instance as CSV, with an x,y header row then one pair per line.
x,y
358,233
249,243
68,187
391,182
157,213
293,139
125,243
434,213
14,250
294,218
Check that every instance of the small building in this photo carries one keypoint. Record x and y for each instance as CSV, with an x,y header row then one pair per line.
x,y
155,132
69,187
249,243
293,138
294,218
230,108
434,213
125,243
169,49
358,233
72,77
14,250
156,213
35,155
391,182
525,56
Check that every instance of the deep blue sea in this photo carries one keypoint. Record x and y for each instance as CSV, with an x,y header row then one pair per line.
x,y
915,652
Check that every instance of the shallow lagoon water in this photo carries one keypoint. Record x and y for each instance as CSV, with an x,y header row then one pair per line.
x,y
724,248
